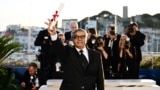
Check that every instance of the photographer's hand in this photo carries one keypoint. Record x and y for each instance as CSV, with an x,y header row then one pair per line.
x,y
122,47
121,53
118,68
103,52
129,53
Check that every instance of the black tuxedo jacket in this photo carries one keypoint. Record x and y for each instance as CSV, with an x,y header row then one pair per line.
x,y
75,77
47,54
44,40
136,42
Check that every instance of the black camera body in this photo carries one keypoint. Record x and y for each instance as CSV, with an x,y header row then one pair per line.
x,y
130,29
98,43
127,45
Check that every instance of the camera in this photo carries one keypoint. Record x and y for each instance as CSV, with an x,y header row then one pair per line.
x,y
98,43
112,32
130,29
127,45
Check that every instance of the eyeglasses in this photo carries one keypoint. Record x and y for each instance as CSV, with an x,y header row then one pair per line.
x,y
73,27
79,37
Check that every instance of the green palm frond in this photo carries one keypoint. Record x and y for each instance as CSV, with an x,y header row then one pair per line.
x,y
7,47
8,80
3,71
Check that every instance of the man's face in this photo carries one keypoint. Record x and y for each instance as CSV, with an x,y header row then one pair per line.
x,y
79,39
62,37
74,26
108,32
112,37
135,27
32,70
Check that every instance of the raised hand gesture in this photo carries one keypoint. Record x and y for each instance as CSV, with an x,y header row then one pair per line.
x,y
51,26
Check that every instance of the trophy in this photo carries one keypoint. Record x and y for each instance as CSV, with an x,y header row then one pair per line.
x,y
56,15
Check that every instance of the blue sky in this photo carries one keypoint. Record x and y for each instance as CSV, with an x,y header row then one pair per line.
x,y
36,12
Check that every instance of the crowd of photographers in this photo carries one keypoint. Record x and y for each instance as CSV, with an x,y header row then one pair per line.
x,y
121,54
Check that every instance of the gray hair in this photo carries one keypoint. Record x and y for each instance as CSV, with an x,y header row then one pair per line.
x,y
79,30
74,23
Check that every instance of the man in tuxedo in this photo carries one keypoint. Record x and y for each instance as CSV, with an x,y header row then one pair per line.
x,y
73,26
32,78
47,57
82,66
112,47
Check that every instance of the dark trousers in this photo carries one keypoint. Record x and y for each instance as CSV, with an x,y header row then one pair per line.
x,y
137,69
47,67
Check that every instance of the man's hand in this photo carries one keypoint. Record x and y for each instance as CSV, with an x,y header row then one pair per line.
x,y
34,88
23,84
51,27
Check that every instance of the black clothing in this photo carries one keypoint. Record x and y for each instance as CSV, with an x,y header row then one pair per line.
x,y
136,42
68,35
32,81
75,77
84,60
47,57
128,66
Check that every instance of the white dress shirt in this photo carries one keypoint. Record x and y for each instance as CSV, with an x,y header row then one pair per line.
x,y
85,52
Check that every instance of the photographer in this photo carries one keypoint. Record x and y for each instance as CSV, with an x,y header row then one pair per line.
x,y
137,40
47,57
113,55
32,78
92,35
99,46
126,65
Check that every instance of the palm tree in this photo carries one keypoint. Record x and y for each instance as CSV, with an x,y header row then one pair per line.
x,y
8,47
7,78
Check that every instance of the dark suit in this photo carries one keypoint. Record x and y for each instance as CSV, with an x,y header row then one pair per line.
x,y
136,42
47,57
113,54
75,77
68,35
27,80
